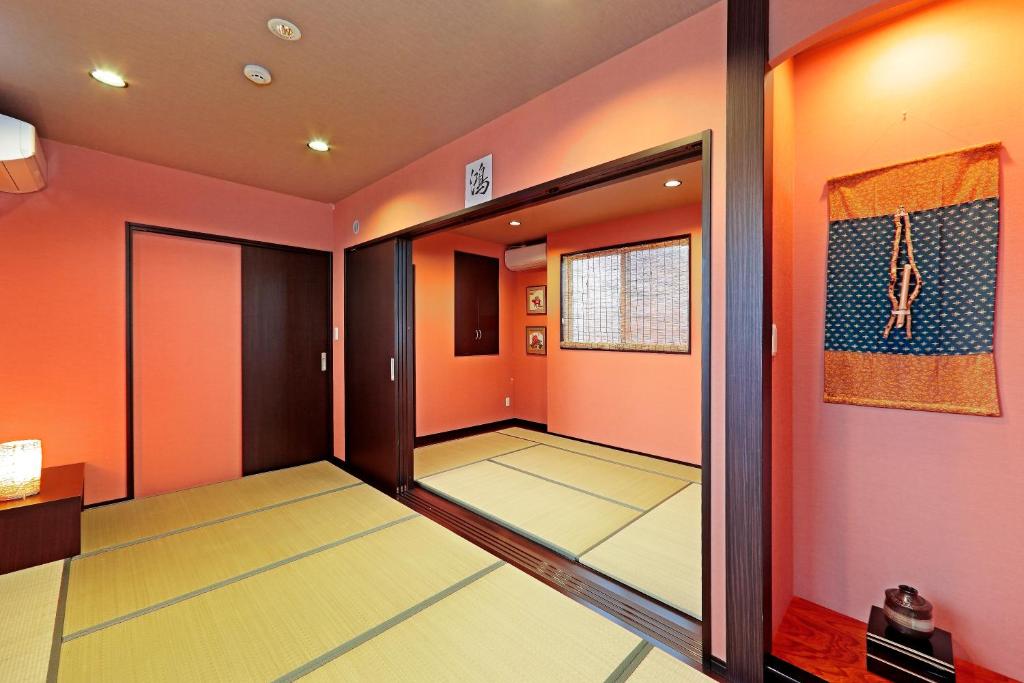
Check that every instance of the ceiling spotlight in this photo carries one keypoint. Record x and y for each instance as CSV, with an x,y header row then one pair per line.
x,y
108,78
673,183
284,29
514,223
318,145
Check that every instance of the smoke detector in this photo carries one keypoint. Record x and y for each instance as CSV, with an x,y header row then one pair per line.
x,y
284,29
259,75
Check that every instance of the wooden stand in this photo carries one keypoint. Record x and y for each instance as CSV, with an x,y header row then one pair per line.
x,y
834,647
44,527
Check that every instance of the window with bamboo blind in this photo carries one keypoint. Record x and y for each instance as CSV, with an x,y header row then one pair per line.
x,y
633,297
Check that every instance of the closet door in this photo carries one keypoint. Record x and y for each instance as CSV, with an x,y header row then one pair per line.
x,y
286,358
476,304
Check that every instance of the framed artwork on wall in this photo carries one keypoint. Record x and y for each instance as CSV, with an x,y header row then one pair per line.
x,y
537,300
537,340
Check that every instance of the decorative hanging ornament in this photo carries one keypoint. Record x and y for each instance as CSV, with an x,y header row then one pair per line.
x,y
900,316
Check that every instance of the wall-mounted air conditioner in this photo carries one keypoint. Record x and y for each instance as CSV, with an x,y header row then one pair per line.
x,y
532,257
22,164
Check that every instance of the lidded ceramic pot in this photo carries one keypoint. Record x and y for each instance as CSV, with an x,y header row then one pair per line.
x,y
908,613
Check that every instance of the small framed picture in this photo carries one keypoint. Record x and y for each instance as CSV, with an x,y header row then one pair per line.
x,y
537,340
537,300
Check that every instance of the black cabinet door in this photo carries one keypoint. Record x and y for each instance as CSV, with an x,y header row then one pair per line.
x,y
476,304
286,358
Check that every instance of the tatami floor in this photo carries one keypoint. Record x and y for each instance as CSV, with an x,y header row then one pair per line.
x,y
634,518
300,573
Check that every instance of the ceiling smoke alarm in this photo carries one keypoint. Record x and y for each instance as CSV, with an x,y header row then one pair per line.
x,y
259,75
284,29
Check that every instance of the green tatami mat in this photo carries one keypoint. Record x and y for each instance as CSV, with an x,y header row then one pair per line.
x,y
504,627
565,520
627,485
660,553
112,525
438,457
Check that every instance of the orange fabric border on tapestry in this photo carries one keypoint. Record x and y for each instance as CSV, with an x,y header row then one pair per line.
x,y
946,384
943,180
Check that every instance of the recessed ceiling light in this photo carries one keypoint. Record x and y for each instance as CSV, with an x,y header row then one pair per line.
x,y
108,78
318,145
514,223
284,29
673,183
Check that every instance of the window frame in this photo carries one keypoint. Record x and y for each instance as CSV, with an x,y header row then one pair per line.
x,y
617,347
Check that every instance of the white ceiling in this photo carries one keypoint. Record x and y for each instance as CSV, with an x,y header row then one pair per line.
x,y
385,82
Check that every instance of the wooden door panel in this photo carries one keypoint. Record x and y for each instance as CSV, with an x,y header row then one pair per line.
x,y
374,366
286,380
476,304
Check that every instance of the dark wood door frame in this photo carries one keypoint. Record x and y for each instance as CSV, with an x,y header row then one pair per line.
x,y
748,347
694,148
132,228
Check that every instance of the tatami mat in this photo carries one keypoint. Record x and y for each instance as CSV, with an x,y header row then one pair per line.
x,y
443,456
112,525
659,667
504,627
566,520
277,621
623,484
165,568
672,469
659,553
28,611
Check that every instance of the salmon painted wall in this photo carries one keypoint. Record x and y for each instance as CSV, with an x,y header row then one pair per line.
x,y
667,87
889,496
454,392
187,354
648,402
530,371
62,291
779,106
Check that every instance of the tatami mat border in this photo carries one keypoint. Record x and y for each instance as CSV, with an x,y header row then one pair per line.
x,y
58,622
211,522
630,663
614,462
641,515
490,458
235,579
355,642
497,520
562,483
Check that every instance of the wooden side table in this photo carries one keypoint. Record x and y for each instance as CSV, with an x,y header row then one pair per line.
x,y
47,526
833,646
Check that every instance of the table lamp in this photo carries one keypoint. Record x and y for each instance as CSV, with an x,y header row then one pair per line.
x,y
21,463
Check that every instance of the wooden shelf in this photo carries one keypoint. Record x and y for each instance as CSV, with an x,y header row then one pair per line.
x,y
47,526
833,646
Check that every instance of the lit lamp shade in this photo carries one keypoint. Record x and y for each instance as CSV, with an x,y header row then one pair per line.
x,y
21,463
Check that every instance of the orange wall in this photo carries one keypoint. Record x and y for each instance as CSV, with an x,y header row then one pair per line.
x,y
667,87
454,392
648,402
187,355
783,152
62,289
529,371
888,496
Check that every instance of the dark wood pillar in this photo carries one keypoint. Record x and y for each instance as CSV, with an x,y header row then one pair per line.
x,y
748,354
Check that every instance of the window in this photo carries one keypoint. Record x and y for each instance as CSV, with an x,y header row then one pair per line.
x,y
629,298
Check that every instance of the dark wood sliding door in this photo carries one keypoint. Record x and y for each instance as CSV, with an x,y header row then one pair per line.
x,y
378,363
286,358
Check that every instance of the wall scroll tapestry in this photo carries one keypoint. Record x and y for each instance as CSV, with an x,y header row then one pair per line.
x,y
911,285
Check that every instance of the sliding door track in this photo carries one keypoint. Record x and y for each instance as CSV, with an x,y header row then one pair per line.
x,y
648,618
